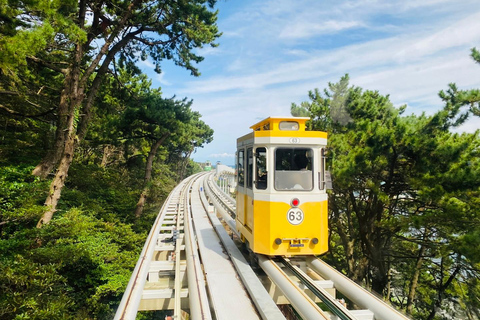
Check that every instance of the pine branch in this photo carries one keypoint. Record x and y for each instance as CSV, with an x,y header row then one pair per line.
x,y
15,113
47,64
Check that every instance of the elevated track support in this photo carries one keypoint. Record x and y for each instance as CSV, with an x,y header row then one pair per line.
x,y
192,264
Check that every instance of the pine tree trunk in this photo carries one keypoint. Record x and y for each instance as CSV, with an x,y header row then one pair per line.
x,y
73,83
437,304
141,203
106,155
379,271
414,281
59,181
183,165
54,155
356,267
70,101
416,275
148,175
389,284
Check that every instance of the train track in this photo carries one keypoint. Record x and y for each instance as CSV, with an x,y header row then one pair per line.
x,y
159,273
190,262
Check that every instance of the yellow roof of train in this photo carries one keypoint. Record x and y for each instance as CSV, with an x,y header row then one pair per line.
x,y
272,123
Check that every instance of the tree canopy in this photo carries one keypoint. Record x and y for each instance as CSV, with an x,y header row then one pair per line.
x,y
76,42
404,205
69,66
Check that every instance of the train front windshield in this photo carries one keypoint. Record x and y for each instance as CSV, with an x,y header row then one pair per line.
x,y
294,169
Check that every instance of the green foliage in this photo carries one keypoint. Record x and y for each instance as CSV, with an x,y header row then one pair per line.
x,y
21,198
405,196
31,38
32,290
192,168
476,55
76,267
110,192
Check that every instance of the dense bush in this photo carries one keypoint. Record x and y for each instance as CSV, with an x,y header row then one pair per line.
x,y
76,267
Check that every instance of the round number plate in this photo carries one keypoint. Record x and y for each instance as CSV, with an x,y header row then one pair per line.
x,y
295,216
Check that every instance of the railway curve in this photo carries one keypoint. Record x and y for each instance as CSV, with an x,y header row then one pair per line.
x,y
192,263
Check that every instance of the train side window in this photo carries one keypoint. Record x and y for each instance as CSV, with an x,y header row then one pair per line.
x,y
240,168
261,168
249,168
324,176
294,169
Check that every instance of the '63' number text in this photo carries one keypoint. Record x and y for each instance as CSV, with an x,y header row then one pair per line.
x,y
295,216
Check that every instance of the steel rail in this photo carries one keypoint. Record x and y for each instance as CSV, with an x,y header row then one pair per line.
x,y
224,283
226,201
333,305
227,196
307,308
220,208
181,206
354,292
128,307
198,300
229,201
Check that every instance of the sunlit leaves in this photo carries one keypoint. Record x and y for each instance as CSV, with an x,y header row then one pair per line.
x,y
82,265
405,196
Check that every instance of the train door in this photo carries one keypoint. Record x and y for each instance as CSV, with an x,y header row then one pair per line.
x,y
249,189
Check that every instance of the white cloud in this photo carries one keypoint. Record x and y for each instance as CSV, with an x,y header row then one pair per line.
x,y
419,83
147,64
464,32
413,4
365,58
301,29
162,79
274,51
222,155
209,51
296,52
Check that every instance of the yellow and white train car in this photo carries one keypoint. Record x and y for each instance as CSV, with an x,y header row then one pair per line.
x,y
281,188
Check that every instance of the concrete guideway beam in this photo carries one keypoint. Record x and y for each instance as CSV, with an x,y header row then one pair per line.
x,y
265,305
228,297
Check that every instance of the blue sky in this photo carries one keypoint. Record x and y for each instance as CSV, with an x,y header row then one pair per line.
x,y
272,53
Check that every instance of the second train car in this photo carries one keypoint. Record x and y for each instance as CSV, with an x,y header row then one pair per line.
x,y
281,188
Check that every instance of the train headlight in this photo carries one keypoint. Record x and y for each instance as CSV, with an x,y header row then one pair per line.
x,y
278,241
295,202
315,240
